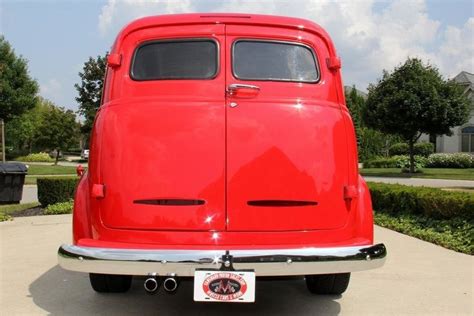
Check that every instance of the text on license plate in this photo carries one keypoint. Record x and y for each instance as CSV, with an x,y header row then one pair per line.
x,y
224,286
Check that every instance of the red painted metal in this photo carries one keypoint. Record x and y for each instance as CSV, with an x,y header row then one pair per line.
x,y
192,140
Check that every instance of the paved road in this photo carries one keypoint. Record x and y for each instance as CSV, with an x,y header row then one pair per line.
x,y
418,278
435,183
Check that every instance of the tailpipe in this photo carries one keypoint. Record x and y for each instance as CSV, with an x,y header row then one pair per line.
x,y
151,284
170,284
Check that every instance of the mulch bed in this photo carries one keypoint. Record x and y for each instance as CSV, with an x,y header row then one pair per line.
x,y
34,211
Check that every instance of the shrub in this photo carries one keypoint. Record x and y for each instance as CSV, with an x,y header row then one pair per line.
x,y
435,203
398,149
54,190
59,208
404,163
423,149
455,233
455,160
38,157
381,162
396,162
372,143
5,217
419,149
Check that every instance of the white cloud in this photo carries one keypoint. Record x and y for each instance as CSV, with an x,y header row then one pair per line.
x,y
52,90
457,50
118,13
368,40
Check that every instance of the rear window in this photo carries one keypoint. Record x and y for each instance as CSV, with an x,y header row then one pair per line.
x,y
193,59
279,61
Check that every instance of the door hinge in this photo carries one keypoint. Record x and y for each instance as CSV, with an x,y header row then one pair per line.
x,y
98,191
350,192
334,63
114,60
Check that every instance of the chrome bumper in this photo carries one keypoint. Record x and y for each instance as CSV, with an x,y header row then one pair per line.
x,y
269,262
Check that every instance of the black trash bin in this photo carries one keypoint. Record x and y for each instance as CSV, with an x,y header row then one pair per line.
x,y
12,178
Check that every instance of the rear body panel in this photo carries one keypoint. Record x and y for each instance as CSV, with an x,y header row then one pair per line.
x,y
163,161
251,164
286,144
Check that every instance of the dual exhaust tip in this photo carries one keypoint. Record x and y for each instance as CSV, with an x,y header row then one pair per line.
x,y
153,282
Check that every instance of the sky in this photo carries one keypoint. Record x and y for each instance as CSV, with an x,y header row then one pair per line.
x,y
57,37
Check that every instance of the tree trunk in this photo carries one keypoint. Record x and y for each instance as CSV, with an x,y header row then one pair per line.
x,y
411,146
57,157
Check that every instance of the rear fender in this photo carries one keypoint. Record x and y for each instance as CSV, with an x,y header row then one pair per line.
x,y
365,217
80,216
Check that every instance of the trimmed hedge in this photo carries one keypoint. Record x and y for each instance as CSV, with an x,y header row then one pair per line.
x,y
454,160
54,190
420,149
432,202
398,149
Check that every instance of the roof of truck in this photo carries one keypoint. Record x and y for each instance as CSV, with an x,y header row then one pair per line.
x,y
227,18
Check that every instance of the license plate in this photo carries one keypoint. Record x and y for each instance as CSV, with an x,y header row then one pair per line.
x,y
224,286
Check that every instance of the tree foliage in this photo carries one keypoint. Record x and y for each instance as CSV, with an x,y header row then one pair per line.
x,y
355,103
17,89
415,99
90,90
371,143
58,130
22,131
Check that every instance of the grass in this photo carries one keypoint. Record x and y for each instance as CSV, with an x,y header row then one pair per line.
x,y
50,170
428,173
455,234
6,210
32,179
40,171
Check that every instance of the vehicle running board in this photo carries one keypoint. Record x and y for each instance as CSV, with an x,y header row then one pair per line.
x,y
170,202
280,203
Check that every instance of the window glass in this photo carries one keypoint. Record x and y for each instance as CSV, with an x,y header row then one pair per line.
x,y
260,60
195,59
465,143
468,129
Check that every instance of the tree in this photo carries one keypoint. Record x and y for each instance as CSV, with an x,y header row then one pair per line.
x,y
17,89
22,130
355,103
415,99
90,90
58,130
370,143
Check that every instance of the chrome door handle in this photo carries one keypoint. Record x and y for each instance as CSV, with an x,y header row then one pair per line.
x,y
236,86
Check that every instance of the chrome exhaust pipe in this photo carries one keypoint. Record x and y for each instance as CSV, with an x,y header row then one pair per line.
x,y
151,285
170,284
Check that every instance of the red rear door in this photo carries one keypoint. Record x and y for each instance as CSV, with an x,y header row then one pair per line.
x,y
286,143
163,137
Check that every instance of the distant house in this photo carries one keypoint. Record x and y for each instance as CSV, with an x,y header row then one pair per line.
x,y
462,139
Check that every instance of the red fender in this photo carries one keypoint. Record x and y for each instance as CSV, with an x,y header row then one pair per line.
x,y
80,216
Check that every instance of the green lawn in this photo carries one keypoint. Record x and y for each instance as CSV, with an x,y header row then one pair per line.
x,y
48,170
6,210
431,173
32,179
40,171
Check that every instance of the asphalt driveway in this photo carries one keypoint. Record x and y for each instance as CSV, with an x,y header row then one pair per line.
x,y
418,278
